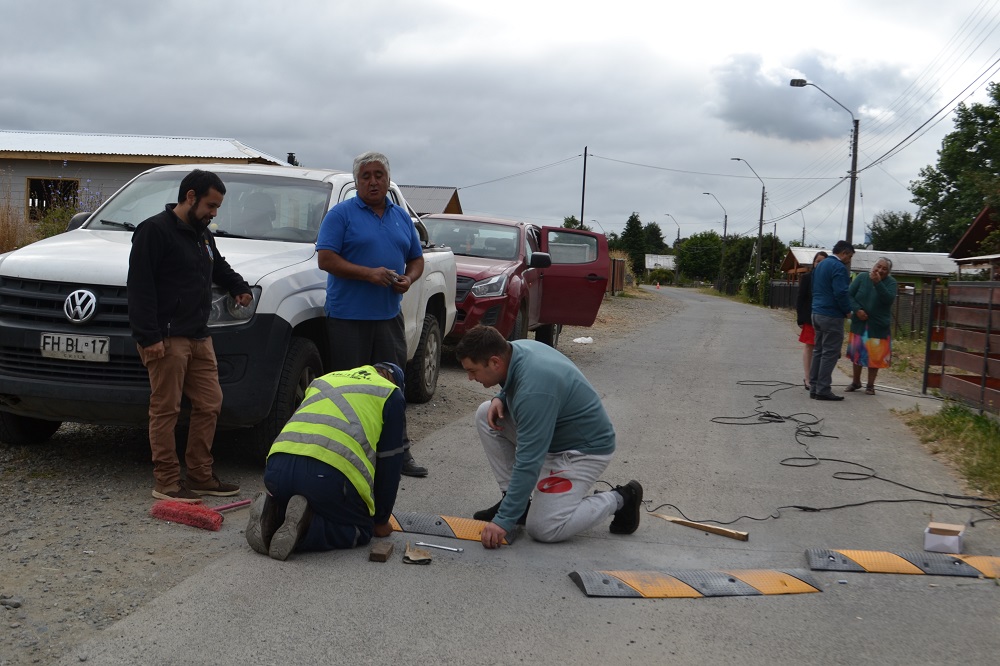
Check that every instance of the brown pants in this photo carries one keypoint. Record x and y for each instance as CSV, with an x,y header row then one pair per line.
x,y
189,368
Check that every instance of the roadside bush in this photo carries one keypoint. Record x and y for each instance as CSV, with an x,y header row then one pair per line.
x,y
752,287
661,276
62,209
15,232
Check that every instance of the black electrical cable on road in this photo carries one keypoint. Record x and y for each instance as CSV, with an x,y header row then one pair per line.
x,y
805,429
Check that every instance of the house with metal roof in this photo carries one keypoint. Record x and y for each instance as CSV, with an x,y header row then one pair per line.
x,y
429,199
46,168
909,267
968,251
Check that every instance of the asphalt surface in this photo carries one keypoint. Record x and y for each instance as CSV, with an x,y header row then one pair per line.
x,y
662,385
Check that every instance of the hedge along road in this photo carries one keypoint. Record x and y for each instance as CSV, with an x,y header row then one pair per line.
x,y
662,385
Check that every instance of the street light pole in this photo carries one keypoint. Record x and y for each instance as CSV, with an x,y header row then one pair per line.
x,y
725,221
677,223
802,83
760,225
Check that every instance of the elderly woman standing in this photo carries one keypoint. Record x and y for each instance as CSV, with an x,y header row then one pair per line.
x,y
804,308
870,344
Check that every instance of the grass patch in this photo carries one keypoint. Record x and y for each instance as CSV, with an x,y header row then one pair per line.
x,y
968,440
908,355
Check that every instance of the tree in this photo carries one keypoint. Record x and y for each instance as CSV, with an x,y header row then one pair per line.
x,y
698,257
900,232
572,223
965,179
614,241
634,244
739,258
654,239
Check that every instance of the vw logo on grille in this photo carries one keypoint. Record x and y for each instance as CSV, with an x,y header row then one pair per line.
x,y
80,306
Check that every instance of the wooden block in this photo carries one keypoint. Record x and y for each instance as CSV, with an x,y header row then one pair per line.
x,y
381,552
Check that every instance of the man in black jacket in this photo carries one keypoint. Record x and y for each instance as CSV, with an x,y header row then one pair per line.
x,y
172,267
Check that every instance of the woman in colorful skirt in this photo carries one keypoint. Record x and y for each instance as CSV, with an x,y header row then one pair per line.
x,y
804,309
870,343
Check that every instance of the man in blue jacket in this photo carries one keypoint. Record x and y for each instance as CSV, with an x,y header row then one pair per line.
x,y
545,431
831,304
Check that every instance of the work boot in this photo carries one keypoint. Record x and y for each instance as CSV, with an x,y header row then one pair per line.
x,y
214,487
263,523
490,513
626,519
410,466
288,536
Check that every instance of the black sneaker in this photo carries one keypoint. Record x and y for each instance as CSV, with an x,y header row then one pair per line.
x,y
287,537
263,523
626,519
490,513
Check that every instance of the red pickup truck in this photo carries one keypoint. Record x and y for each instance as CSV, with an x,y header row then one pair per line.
x,y
519,277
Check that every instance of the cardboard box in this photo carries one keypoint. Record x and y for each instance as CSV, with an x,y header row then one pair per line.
x,y
944,538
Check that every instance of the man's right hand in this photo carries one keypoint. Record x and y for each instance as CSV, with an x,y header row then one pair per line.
x,y
382,276
494,414
155,350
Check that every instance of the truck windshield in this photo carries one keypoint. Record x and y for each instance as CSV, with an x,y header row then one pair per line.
x,y
471,238
255,206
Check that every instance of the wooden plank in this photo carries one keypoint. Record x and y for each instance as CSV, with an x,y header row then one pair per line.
x,y
973,317
973,294
970,340
933,381
967,389
972,362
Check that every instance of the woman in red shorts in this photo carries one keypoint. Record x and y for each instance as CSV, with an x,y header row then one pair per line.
x,y
804,306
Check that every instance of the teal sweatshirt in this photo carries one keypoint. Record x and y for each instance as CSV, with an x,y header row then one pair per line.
x,y
556,409
876,300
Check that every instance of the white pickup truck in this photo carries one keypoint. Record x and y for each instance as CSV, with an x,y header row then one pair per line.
x,y
66,351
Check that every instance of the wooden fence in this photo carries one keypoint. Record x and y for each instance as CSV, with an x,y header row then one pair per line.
x,y
962,335
910,310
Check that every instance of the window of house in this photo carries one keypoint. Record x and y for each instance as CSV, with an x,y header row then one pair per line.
x,y
46,193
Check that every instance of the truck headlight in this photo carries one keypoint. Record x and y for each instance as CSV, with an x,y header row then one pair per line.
x,y
225,310
494,286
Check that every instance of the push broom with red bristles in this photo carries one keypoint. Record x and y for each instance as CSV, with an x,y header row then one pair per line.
x,y
195,515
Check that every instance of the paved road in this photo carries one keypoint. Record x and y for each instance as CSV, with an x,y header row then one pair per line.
x,y
662,386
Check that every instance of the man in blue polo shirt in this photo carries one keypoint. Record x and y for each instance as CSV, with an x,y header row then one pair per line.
x,y
830,305
371,250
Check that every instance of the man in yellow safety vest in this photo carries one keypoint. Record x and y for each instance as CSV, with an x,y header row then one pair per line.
x,y
333,472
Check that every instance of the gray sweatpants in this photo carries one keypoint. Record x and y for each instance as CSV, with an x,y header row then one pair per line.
x,y
560,505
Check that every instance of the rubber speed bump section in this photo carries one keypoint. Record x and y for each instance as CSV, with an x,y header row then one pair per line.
x,y
692,584
906,562
443,526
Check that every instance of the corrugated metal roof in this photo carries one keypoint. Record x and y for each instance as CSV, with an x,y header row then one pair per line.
x,y
427,199
935,264
124,144
907,263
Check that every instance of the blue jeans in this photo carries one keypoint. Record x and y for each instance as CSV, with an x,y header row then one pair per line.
x,y
829,341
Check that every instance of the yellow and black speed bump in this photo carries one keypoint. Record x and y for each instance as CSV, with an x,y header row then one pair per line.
x,y
443,526
915,562
692,584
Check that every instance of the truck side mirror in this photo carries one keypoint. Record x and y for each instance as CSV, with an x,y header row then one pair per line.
x,y
77,221
540,260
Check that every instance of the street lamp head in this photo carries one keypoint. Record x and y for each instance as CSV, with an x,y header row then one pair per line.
x,y
798,83
709,193
738,159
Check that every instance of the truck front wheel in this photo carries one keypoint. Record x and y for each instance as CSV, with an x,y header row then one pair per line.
x,y
549,334
302,365
24,430
422,370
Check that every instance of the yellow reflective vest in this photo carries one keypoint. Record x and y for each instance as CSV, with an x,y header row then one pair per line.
x,y
340,422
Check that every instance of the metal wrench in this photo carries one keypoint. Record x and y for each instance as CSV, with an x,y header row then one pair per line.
x,y
434,545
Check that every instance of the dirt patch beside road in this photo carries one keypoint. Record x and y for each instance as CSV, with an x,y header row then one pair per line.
x,y
80,550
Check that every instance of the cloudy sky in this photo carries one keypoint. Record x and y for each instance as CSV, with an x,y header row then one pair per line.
x,y
500,98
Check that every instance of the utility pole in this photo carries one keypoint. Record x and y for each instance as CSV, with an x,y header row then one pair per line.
x,y
760,224
583,191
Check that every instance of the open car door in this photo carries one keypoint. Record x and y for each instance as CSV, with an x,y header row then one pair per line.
x,y
574,285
